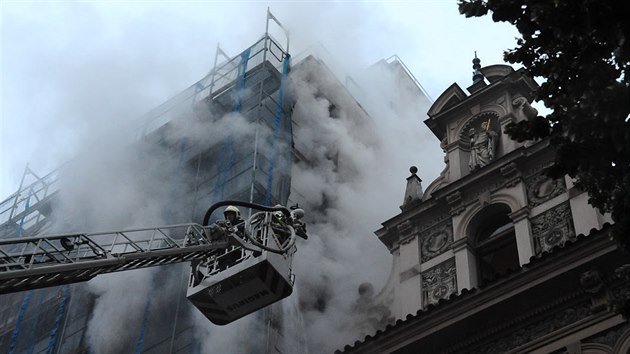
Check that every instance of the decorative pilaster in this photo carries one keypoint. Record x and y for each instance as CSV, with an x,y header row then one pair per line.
x,y
523,233
466,265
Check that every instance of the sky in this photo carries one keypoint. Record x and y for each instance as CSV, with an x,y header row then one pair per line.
x,y
73,68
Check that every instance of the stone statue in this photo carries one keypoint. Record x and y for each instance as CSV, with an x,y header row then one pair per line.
x,y
482,146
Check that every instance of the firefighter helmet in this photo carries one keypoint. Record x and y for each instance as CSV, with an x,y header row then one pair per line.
x,y
278,214
232,208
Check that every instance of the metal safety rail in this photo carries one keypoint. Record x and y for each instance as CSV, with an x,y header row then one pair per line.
x,y
27,210
223,78
37,262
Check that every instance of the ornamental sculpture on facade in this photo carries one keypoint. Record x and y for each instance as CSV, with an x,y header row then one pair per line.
x,y
483,144
439,282
552,228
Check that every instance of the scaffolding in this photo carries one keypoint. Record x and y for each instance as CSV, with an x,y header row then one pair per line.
x,y
26,211
250,84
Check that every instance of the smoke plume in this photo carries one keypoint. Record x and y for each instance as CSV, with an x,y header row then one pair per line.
x,y
351,179
117,183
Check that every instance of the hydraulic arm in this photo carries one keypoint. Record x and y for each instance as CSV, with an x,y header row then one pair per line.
x,y
42,261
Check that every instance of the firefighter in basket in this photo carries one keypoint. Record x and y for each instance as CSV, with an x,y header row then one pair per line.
x,y
232,224
280,222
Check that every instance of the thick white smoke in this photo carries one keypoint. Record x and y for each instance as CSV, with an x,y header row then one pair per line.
x,y
112,186
351,179
117,183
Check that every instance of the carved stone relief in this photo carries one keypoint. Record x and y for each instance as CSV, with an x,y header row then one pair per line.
x,y
518,101
436,240
523,110
542,327
608,337
592,281
439,282
552,228
541,188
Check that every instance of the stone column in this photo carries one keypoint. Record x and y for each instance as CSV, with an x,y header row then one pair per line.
x,y
466,264
524,238
457,161
410,293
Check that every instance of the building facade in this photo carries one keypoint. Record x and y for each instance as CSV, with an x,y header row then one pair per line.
x,y
494,256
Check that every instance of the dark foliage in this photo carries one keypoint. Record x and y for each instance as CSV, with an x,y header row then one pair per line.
x,y
581,51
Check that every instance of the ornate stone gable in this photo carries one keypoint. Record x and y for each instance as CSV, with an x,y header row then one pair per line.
x,y
504,197
436,239
439,282
541,188
552,228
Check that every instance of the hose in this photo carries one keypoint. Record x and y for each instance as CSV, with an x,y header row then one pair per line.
x,y
284,210
282,249
215,206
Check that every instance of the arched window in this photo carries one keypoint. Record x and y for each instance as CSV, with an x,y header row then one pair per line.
x,y
495,242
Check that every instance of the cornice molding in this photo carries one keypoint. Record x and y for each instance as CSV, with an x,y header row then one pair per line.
x,y
460,244
520,214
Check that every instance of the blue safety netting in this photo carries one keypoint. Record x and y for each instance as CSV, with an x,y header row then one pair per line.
x,y
276,131
61,310
143,327
227,153
27,297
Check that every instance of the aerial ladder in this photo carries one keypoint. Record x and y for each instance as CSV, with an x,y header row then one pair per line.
x,y
236,269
